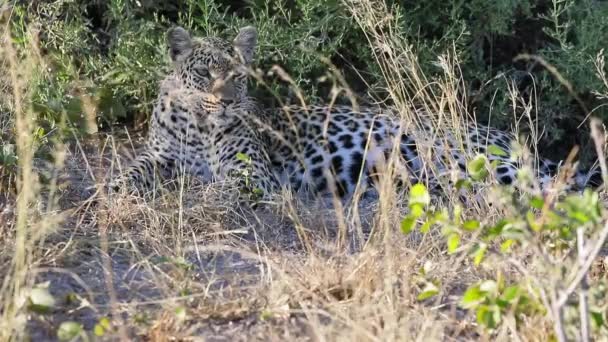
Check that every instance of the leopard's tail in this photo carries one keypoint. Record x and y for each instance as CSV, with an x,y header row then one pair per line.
x,y
589,178
582,178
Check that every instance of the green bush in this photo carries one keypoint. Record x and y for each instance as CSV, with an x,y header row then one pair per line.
x,y
562,232
115,51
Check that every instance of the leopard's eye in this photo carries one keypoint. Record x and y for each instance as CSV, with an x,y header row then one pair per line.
x,y
202,71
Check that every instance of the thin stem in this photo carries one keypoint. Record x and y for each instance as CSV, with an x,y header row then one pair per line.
x,y
582,294
584,267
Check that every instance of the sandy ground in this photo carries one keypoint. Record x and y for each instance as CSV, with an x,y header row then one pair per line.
x,y
207,254
194,264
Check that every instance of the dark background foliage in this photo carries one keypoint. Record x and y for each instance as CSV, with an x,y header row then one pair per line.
x,y
114,50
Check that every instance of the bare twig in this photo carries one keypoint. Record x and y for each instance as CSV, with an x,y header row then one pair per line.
x,y
561,79
599,136
585,266
582,294
558,321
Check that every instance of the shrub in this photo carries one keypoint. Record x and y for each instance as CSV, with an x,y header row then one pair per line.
x,y
115,51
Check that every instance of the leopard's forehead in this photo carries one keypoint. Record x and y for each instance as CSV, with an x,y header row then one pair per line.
x,y
214,47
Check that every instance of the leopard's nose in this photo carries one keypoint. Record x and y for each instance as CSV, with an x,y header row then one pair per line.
x,y
224,90
227,101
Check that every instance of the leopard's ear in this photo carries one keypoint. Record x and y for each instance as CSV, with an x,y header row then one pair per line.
x,y
180,43
245,43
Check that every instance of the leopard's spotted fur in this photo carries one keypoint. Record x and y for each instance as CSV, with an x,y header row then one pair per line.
x,y
199,122
203,119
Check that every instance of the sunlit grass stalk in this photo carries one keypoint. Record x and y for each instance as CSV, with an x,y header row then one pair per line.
x,y
15,284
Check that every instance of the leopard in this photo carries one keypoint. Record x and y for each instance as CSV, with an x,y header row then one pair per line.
x,y
199,123
204,121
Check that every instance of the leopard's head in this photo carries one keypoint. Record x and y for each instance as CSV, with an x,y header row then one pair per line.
x,y
213,65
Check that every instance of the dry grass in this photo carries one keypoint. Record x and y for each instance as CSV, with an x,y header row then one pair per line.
x,y
189,263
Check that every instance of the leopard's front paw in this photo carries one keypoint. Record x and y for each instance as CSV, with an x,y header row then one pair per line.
x,y
120,184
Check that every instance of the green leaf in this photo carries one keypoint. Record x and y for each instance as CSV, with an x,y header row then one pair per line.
x,y
69,330
408,224
434,218
511,293
428,291
105,322
506,245
497,151
597,318
487,316
472,297
479,254
471,225
426,226
531,219
180,314
40,132
463,184
537,202
579,216
582,208
71,298
419,195
243,157
453,242
99,330
477,168
497,229
266,315
102,326
40,299
416,210
441,216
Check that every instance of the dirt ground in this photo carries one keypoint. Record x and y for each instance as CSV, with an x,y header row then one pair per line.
x,y
196,265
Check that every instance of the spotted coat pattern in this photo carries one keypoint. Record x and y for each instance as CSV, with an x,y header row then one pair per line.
x,y
199,124
203,120
337,149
